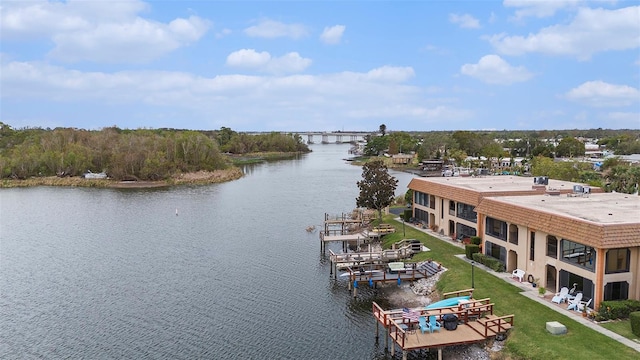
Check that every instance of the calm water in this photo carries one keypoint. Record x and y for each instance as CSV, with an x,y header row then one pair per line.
x,y
95,273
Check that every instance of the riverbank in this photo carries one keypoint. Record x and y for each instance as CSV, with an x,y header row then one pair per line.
x,y
194,178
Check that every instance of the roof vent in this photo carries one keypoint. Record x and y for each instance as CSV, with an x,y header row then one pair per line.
x,y
541,180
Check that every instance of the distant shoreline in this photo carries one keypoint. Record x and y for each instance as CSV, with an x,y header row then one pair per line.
x,y
195,178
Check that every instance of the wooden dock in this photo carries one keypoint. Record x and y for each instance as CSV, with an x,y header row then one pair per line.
x,y
372,274
351,231
476,323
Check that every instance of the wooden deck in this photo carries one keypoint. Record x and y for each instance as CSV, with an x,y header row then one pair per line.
x,y
476,323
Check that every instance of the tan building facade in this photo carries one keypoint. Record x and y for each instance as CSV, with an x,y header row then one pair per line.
x,y
561,233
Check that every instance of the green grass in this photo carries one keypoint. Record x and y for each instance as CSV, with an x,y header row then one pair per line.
x,y
621,327
528,339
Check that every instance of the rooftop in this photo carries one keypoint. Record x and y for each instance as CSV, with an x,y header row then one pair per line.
x,y
498,183
604,208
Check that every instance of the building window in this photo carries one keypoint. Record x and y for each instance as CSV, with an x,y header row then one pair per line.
x,y
464,231
513,234
422,216
532,246
432,201
466,212
452,207
578,254
496,251
421,198
496,228
617,261
552,246
616,291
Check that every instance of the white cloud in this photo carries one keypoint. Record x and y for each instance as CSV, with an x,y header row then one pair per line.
x,y
465,21
492,69
289,63
263,61
273,29
602,94
98,31
539,8
248,58
41,18
591,31
336,97
390,74
222,33
137,41
332,35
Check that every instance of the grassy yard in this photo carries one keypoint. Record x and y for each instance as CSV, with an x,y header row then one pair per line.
x,y
528,339
622,327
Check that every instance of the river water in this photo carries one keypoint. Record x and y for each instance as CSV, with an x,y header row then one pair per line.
x,y
224,271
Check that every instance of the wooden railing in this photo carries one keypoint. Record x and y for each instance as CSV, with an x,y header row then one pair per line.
x,y
495,325
458,293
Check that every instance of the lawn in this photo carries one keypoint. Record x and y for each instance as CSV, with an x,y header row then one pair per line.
x,y
622,327
528,339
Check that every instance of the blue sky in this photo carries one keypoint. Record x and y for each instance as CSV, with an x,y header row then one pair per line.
x,y
322,66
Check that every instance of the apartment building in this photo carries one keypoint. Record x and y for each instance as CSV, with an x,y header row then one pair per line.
x,y
591,241
561,232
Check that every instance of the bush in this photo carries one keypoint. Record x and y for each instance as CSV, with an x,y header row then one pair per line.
x,y
617,309
470,250
408,214
479,257
488,261
476,240
634,319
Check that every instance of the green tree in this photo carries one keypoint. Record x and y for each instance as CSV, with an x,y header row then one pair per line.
x,y
623,178
393,146
377,187
570,147
383,129
376,145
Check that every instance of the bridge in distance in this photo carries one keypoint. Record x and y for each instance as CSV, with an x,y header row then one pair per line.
x,y
329,137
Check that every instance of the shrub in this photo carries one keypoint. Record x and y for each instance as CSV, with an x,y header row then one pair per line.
x,y
470,250
479,257
408,214
490,262
476,240
617,309
634,319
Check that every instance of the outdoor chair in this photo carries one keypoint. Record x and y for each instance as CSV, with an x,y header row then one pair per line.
x,y
422,323
582,305
573,304
434,325
518,274
561,296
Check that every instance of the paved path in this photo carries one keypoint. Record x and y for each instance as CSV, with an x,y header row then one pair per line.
x,y
532,293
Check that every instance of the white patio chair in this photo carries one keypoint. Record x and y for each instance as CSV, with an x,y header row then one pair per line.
x,y
573,304
561,296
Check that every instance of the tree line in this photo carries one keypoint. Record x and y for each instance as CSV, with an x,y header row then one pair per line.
x,y
143,154
539,149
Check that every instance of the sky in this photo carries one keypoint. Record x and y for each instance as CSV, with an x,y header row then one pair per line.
x,y
320,65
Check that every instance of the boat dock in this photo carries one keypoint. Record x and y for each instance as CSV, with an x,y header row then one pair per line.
x,y
372,274
351,230
476,322
355,259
